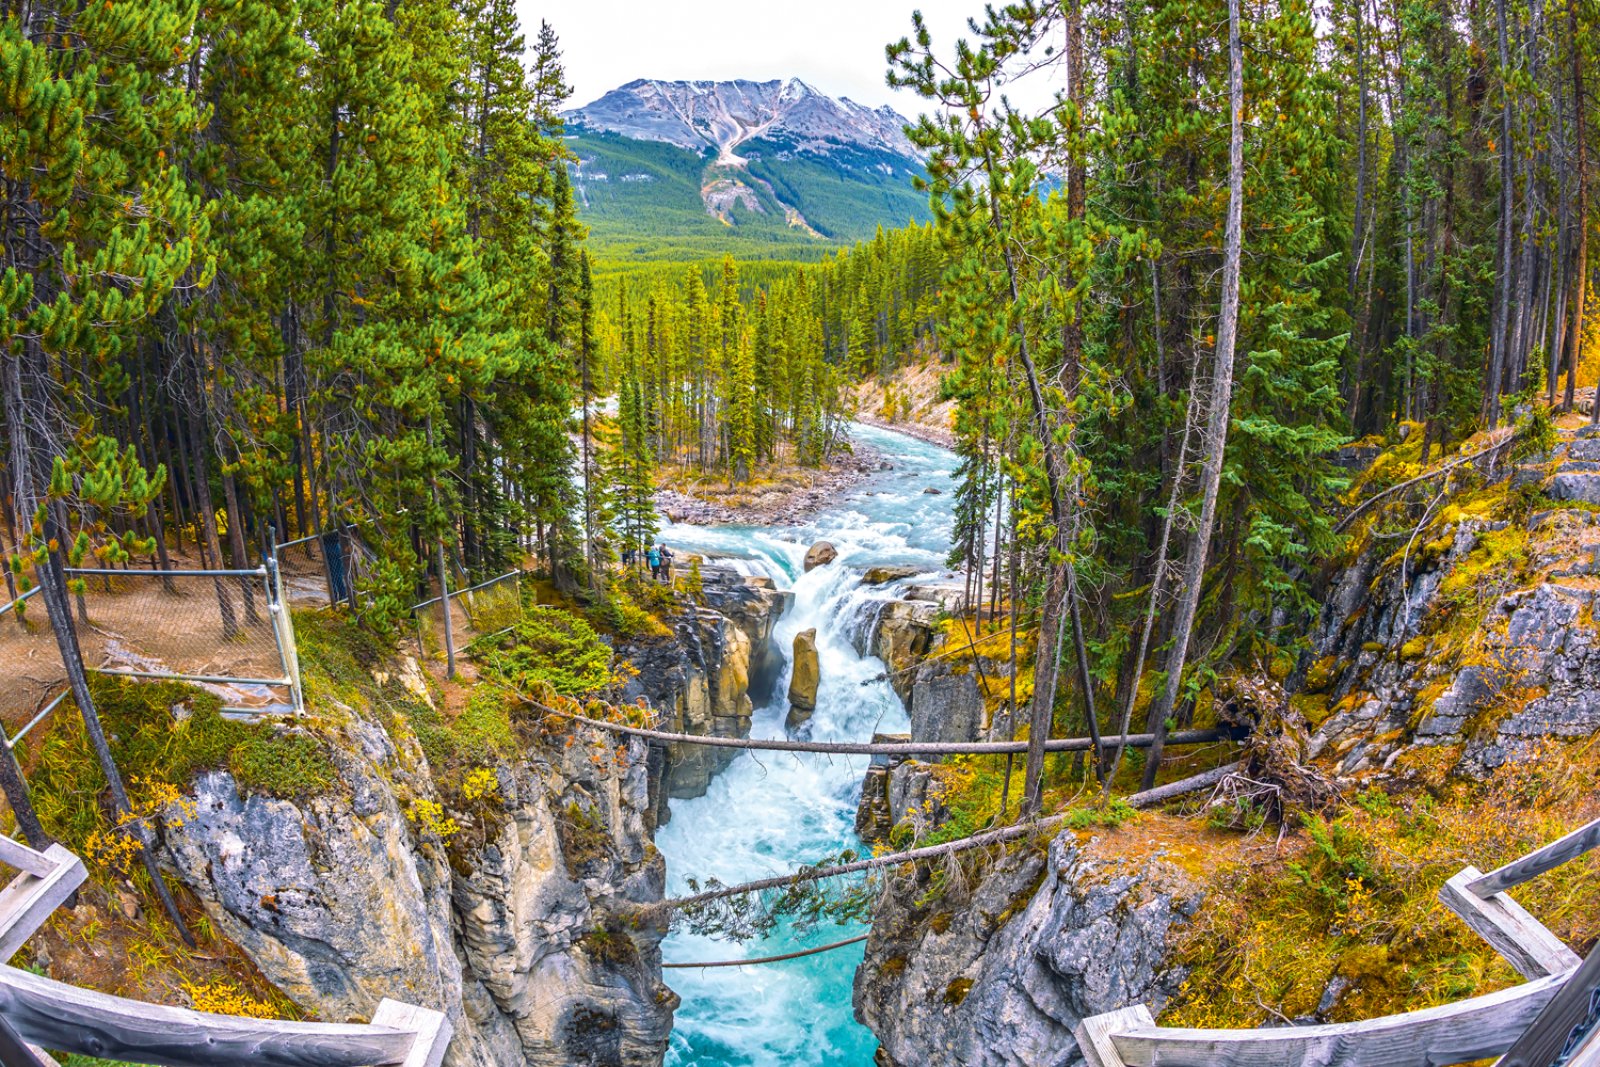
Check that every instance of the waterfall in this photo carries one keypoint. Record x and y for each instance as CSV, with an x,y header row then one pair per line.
x,y
769,813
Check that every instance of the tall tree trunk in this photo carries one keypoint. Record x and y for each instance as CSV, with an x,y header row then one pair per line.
x,y
1214,442
1499,353
1580,265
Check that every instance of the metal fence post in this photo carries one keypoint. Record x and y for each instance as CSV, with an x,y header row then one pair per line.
x,y
283,625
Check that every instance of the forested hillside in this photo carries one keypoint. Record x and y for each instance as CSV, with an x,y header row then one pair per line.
x,y
1278,232
294,264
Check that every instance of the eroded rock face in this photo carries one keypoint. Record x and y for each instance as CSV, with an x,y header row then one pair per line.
x,y
938,684
998,977
704,678
342,900
1484,644
804,678
755,605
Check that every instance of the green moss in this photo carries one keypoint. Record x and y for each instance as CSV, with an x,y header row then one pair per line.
x,y
164,732
1314,708
584,838
337,658
289,766
1321,674
957,991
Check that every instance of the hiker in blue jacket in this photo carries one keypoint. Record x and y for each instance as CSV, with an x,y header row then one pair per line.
x,y
653,557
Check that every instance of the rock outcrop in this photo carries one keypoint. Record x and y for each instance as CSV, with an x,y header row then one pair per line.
x,y
804,678
820,555
1478,642
997,976
702,678
517,922
938,683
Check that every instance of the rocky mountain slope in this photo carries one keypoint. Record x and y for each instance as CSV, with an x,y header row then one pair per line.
x,y
723,115
668,165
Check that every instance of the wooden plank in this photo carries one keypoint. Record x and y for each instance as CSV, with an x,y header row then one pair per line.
x,y
16,854
27,902
432,1028
1568,1013
1537,862
1453,1033
1524,941
65,1017
1094,1034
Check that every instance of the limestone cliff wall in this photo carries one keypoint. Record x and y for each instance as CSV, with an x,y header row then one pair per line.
x,y
706,678
507,923
1474,637
937,681
998,974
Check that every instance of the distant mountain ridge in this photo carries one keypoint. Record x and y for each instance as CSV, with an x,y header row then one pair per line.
x,y
666,169
722,115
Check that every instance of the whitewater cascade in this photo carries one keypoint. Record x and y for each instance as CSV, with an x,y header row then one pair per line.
x,y
769,813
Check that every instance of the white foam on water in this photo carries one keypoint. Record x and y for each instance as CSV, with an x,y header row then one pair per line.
x,y
770,813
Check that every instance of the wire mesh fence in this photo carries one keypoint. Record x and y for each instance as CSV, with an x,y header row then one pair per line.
x,y
487,608
218,629
322,568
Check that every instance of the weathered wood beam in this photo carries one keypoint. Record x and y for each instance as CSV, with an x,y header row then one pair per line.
x,y
1094,1034
28,901
1537,862
65,1017
1524,941
15,1052
432,1028
1452,1033
1548,1035
16,854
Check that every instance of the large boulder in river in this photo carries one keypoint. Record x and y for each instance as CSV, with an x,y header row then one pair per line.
x,y
820,554
885,575
805,678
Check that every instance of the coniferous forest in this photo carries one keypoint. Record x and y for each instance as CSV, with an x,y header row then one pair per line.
x,y
1251,342
314,266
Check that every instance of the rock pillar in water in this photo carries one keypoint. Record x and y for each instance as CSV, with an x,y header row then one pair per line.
x,y
804,678
820,554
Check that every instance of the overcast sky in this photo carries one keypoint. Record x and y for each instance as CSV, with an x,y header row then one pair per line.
x,y
834,45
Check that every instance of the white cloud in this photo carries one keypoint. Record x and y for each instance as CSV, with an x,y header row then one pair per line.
x,y
835,45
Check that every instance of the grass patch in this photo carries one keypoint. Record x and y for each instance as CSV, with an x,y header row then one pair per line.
x,y
1356,899
161,733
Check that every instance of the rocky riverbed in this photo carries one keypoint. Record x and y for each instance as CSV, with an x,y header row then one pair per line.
x,y
789,497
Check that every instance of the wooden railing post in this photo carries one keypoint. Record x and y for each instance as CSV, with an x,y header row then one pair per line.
x,y
14,1052
1094,1034
432,1028
1524,941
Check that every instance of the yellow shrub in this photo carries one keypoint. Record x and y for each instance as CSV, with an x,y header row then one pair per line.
x,y
220,997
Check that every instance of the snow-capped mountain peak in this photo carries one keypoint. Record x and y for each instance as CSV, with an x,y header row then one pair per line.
x,y
724,114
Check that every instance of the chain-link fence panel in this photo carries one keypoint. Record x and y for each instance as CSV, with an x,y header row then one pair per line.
x,y
214,628
484,609
321,569
30,660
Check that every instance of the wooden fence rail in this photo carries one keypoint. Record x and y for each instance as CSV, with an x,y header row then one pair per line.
x,y
44,1013
1552,1019
1536,863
